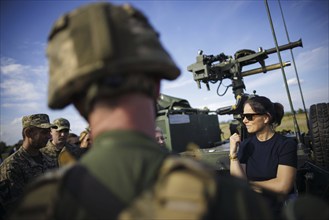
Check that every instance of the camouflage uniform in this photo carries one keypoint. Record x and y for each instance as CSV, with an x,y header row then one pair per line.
x,y
21,167
55,152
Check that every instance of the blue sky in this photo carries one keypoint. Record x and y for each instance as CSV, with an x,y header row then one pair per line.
x,y
184,27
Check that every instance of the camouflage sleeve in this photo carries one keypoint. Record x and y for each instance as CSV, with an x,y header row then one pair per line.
x,y
42,197
49,162
11,182
4,184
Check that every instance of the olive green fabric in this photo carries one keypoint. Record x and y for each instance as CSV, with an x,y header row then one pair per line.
x,y
184,189
126,162
187,189
101,40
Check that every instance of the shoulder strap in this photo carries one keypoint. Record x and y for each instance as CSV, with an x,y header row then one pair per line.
x,y
183,190
92,195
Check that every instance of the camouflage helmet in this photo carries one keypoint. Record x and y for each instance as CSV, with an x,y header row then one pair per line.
x,y
100,40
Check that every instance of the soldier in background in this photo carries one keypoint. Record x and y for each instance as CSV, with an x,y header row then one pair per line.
x,y
160,139
110,62
58,146
27,162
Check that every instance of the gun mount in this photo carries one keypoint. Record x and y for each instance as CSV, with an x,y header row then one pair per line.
x,y
214,68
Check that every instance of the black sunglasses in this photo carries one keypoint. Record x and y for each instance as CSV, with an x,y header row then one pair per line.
x,y
249,116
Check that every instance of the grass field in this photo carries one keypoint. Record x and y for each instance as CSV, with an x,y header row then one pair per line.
x,y
286,124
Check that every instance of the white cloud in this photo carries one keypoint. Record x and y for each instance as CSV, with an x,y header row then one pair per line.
x,y
13,69
10,68
27,106
294,81
19,90
22,86
177,84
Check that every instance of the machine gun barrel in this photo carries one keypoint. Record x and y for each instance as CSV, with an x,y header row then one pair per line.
x,y
267,68
291,45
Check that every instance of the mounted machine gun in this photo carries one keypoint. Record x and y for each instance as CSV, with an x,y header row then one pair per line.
x,y
214,68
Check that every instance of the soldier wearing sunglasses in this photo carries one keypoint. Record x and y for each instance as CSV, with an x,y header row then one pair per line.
x,y
268,160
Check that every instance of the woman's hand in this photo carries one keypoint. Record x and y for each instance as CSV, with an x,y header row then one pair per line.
x,y
236,169
234,141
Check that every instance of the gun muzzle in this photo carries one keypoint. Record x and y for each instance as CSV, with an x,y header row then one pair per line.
x,y
291,45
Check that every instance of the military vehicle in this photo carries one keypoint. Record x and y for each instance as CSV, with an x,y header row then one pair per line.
x,y
196,132
183,124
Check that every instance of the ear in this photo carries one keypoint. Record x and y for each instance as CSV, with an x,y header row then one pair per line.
x,y
29,132
267,119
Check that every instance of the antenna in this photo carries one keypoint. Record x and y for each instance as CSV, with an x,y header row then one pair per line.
x,y
293,61
297,131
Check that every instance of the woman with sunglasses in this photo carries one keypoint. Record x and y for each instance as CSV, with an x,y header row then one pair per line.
x,y
268,160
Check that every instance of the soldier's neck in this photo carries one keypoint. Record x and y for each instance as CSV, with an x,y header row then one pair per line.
x,y
130,112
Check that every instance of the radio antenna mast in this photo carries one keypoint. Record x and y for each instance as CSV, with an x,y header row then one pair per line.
x,y
293,61
296,127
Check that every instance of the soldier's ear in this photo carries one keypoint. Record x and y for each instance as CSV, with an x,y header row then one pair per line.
x,y
28,132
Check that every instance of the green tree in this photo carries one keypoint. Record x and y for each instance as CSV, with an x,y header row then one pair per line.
x,y
287,114
2,146
299,111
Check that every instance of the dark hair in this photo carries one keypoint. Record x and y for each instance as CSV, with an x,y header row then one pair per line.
x,y
72,135
70,139
263,105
